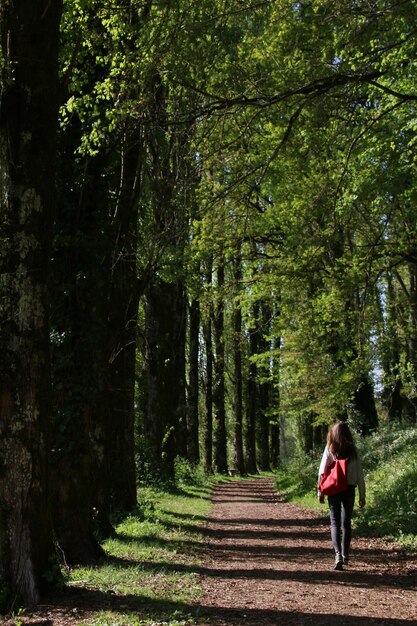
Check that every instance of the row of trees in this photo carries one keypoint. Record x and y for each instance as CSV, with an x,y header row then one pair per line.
x,y
208,229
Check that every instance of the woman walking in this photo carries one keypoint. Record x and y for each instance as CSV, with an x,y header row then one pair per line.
x,y
340,445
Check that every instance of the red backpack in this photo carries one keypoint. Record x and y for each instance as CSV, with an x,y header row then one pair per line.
x,y
334,479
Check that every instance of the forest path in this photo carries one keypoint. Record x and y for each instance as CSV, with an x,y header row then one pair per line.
x,y
270,562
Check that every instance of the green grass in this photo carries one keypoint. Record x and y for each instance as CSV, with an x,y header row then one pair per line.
x,y
390,464
390,457
107,618
297,480
151,560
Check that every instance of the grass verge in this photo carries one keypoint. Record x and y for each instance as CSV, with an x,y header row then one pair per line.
x,y
150,564
390,464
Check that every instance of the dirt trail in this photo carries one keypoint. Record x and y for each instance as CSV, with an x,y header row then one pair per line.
x,y
270,563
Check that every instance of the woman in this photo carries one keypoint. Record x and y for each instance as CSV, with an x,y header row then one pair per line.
x,y
340,445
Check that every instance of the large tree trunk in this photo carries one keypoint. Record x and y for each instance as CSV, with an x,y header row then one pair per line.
x,y
28,116
120,440
192,403
122,331
80,359
220,434
164,375
165,425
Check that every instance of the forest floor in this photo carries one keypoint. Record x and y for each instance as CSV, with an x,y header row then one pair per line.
x,y
267,562
270,562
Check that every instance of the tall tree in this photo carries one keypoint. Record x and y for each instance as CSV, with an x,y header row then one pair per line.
x,y
123,301
208,342
264,389
165,407
193,381
79,353
252,401
219,399
28,121
239,460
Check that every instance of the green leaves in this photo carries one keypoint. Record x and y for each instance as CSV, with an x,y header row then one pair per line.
x,y
285,132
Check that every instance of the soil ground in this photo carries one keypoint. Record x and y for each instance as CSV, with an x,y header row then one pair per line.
x,y
269,563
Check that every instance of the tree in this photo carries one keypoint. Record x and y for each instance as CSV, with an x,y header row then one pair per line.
x,y
78,334
193,424
28,121
208,386
252,401
237,327
219,399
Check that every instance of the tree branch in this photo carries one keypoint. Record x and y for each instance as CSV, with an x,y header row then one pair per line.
x,y
312,89
404,97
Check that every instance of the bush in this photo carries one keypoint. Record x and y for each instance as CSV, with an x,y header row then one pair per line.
x,y
297,477
187,473
389,458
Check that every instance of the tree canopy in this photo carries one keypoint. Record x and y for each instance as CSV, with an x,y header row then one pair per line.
x,y
209,245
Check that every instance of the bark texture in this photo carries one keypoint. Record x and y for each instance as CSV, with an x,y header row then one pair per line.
x,y
208,396
252,398
122,327
220,434
238,378
79,355
164,376
28,116
193,386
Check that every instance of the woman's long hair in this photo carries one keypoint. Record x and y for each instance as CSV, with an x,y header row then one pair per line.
x,y
340,441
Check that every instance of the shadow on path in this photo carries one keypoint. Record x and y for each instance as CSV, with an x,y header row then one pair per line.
x,y
270,562
85,601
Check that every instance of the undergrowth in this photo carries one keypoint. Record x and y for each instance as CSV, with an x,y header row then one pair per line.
x,y
390,463
152,559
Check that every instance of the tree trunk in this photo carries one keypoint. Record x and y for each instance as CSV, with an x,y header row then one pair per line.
x,y
264,390
80,357
274,425
252,398
220,434
238,379
392,394
120,446
192,403
264,463
412,341
165,303
208,341
306,432
164,375
28,118
364,407
274,442
122,330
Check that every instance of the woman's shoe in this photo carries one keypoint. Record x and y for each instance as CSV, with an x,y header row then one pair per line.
x,y
338,563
